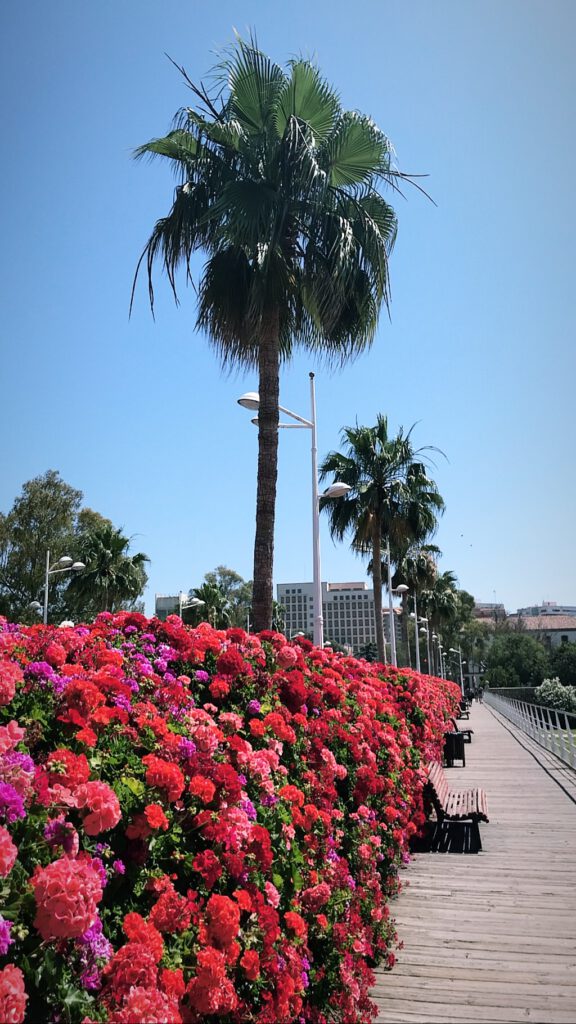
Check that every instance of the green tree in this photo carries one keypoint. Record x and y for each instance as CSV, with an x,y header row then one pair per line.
x,y
563,663
43,518
113,579
515,659
238,593
215,609
279,187
391,497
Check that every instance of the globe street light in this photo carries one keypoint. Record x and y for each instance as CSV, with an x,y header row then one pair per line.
x,y
251,400
64,564
401,589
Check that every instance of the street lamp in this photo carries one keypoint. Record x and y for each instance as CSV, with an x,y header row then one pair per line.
x,y
426,630
194,602
401,589
64,564
458,651
251,400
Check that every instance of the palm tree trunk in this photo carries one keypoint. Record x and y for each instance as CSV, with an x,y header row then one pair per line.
x,y
377,584
269,367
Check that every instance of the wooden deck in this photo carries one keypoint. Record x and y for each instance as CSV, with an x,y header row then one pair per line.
x,y
491,937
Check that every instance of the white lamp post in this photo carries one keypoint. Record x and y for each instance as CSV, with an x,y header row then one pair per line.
x,y
426,630
251,400
414,615
458,651
64,564
401,589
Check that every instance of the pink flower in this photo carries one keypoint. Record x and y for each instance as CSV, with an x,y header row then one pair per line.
x,y
103,805
13,996
67,894
10,736
10,674
272,894
8,852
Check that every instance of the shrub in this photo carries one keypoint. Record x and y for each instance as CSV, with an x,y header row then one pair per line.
x,y
553,694
202,824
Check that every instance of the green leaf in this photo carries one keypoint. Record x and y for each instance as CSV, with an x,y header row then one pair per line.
x,y
136,786
254,82
357,152
177,145
308,97
278,881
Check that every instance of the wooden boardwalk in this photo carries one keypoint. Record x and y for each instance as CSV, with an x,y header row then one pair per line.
x,y
491,937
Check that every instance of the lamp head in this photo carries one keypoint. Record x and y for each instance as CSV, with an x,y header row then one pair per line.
x,y
336,490
250,400
65,561
402,589
77,566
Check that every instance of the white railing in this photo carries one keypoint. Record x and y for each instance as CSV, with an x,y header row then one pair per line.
x,y
554,730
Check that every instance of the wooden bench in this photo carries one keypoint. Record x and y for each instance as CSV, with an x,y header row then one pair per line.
x,y
467,733
464,711
455,805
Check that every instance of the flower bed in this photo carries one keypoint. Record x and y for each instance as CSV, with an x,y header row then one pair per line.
x,y
200,824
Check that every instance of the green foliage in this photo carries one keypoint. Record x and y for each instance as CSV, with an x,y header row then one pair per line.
x,y
552,694
563,663
515,659
236,590
43,518
112,579
47,516
391,497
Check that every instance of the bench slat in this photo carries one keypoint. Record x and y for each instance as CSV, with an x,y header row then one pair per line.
x,y
455,804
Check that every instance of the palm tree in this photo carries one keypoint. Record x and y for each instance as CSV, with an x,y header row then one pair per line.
x,y
112,578
440,601
391,497
216,608
279,187
416,568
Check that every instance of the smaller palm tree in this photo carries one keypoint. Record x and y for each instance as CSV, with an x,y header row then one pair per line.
x,y
112,578
391,498
216,608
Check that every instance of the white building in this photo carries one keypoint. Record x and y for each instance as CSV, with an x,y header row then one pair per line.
x,y
548,608
347,609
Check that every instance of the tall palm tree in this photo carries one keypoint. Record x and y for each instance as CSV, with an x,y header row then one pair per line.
x,y
279,187
112,577
216,608
391,497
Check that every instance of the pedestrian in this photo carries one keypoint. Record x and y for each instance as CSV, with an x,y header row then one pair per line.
x,y
480,694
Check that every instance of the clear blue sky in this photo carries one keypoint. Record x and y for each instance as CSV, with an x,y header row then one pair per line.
x,y
478,94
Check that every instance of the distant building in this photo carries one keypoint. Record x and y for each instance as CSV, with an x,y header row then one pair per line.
x,y
347,609
489,611
167,604
548,608
554,630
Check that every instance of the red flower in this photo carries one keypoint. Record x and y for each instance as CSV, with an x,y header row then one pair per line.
x,y
211,992
67,893
231,663
136,929
208,865
67,769
296,923
171,913
251,964
164,775
223,920
202,787
155,817
132,965
8,852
